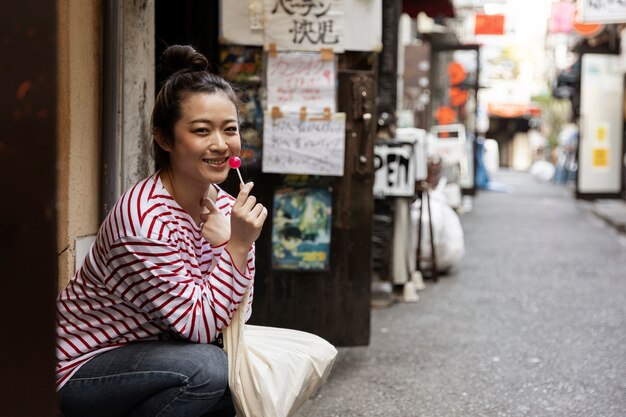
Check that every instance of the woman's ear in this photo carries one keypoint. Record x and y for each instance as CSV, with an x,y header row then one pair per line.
x,y
162,140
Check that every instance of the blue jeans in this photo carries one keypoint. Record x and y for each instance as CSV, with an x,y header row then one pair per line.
x,y
152,378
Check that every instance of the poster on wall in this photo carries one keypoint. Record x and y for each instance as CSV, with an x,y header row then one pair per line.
x,y
300,79
301,229
301,25
313,146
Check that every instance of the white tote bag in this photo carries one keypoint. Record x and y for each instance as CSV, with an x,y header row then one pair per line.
x,y
273,371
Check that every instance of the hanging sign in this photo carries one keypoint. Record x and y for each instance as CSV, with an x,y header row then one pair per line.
x,y
394,169
300,79
313,146
489,24
561,17
303,25
602,11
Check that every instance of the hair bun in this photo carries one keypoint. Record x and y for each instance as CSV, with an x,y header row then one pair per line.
x,y
177,58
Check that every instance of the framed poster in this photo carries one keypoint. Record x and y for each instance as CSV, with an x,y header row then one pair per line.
x,y
301,228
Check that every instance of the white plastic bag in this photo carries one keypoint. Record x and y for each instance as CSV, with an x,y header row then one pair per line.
x,y
273,371
447,229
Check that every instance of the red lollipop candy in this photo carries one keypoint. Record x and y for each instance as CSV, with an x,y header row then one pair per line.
x,y
235,162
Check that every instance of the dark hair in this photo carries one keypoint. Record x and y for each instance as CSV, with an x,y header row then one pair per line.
x,y
185,71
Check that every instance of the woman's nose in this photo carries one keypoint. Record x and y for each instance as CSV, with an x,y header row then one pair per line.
x,y
217,142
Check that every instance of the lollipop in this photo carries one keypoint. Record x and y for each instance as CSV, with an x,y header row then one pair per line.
x,y
235,162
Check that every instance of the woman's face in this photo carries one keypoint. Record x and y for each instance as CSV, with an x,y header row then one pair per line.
x,y
205,136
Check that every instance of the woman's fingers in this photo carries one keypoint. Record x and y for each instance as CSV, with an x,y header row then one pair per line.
x,y
209,204
257,210
243,194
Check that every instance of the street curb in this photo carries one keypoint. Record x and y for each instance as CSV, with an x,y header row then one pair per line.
x,y
613,212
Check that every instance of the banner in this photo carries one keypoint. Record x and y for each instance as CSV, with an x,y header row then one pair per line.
x,y
312,146
300,79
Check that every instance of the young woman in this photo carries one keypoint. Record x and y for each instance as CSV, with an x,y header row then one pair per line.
x,y
137,325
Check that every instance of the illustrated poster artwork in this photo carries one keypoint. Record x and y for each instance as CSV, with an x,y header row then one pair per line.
x,y
303,25
301,229
313,146
300,79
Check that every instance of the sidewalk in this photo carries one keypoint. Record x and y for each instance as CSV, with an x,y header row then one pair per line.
x,y
613,212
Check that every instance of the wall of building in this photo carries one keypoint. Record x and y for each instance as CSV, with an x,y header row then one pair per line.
x,y
79,51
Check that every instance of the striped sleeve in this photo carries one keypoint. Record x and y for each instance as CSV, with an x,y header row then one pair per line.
x,y
152,276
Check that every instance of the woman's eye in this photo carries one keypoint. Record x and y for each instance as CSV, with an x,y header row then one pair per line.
x,y
202,130
232,129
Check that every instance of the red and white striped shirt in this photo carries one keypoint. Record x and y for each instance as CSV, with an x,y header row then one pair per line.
x,y
149,273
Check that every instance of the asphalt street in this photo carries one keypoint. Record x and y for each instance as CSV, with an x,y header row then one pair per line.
x,y
532,322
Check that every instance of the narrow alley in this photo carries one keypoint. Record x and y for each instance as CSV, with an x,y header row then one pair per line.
x,y
531,323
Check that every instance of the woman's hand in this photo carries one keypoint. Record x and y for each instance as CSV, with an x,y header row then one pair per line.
x,y
215,229
246,219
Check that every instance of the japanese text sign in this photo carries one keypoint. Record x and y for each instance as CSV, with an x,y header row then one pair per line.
x,y
304,25
300,79
313,147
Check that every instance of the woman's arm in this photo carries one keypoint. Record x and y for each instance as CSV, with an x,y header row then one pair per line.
x,y
151,276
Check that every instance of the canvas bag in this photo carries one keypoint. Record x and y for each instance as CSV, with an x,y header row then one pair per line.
x,y
273,371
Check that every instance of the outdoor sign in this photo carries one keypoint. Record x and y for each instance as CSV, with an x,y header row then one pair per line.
x,y
600,151
302,25
313,145
300,79
561,17
602,11
394,169
601,125
489,24
301,229
242,22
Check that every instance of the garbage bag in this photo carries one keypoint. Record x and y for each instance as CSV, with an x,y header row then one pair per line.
x,y
447,231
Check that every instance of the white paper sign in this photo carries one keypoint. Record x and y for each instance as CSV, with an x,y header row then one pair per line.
x,y
304,25
297,79
313,147
238,27
394,170
602,11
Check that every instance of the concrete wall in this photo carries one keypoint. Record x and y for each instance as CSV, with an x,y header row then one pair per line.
x,y
81,114
138,90
79,126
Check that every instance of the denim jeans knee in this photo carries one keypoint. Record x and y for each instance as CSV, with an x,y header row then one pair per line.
x,y
154,378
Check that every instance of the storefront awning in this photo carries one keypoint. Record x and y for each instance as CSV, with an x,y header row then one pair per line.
x,y
433,8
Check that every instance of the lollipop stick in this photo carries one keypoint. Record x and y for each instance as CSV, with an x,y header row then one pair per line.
x,y
239,173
